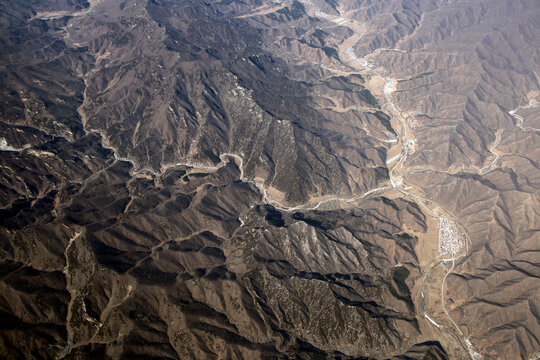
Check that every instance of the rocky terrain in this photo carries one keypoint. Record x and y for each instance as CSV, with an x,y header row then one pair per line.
x,y
269,179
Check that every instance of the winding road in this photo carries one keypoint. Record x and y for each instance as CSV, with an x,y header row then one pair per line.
x,y
532,104
396,181
72,292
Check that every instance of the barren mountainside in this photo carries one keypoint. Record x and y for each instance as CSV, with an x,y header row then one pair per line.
x,y
248,179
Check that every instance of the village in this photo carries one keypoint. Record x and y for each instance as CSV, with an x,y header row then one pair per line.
x,y
450,241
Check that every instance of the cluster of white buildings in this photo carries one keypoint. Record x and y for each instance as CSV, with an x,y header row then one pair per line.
x,y
450,241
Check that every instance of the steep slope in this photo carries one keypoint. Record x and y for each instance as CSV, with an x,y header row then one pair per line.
x,y
249,179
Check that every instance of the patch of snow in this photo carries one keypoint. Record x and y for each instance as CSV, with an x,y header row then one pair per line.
x,y
4,146
431,320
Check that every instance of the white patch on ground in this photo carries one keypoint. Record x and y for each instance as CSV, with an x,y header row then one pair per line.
x,y
4,146
392,159
431,320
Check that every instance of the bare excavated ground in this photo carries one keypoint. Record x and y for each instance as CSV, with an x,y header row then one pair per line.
x,y
246,179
